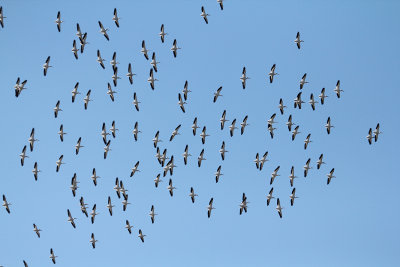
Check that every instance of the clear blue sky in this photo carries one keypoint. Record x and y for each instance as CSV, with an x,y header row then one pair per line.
x,y
352,222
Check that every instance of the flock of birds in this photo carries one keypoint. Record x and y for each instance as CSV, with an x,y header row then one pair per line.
x,y
168,163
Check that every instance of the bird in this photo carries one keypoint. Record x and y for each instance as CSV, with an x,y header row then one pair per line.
x,y
136,131
303,81
186,154
23,156
144,50
83,206
156,139
115,76
203,135
320,161
204,14
330,175
232,127
243,204
295,132
370,136
74,49
175,132
292,176
71,219
171,188
271,130
61,133
243,125
36,230
135,169
46,65
116,18
19,87
157,180
93,214
192,194
100,59
93,241
174,48
194,126
128,226
293,197
78,145
57,109
328,125
337,89
135,101
103,31
223,120
154,62
217,94
94,176
200,158
59,163
272,73
152,214
114,61
74,185
307,141
181,103
274,175
271,120
83,42
151,79
35,171
125,202
87,99
257,161
221,4
52,256
312,102
210,207
78,31
298,41
263,160
281,106
298,101
307,167
2,17
59,21
75,92
377,132
222,150
113,130
162,33
185,90
218,174
269,196
130,74
109,205
110,92
322,96
141,235
107,148
117,188
6,204
278,207
104,133
243,78
32,139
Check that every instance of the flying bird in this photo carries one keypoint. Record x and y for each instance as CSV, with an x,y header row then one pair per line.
x,y
93,214
243,125
110,92
328,125
61,133
35,171
293,197
125,202
298,101
312,102
289,123
307,141
307,167
116,18
203,135
135,169
2,17
74,49
78,146
83,42
370,136
263,160
222,150
243,78
152,214
185,90
204,14
23,156
114,61
156,139
175,133
218,174
274,174
210,207
136,131
141,235
171,188
103,31
272,73
298,41
269,196
109,206
232,127
128,226
94,176
71,219
295,132
243,204
107,148
200,158
93,241
32,139
192,194
278,207
151,79
292,176
217,94
162,33
320,161
154,62
130,74
221,4
281,106
75,92
181,103
113,130
74,185
330,175
57,109
59,162
115,76
322,96
59,21
257,161
377,132
100,59
157,180
6,204
144,50
303,81
83,206
135,101
87,99
52,256
46,65
174,48
36,230
337,89
223,120
194,126
186,154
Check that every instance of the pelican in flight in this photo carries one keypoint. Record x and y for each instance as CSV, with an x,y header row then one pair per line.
x,y
2,17
152,214
204,14
103,31
274,174
307,141
243,78
154,62
217,94
128,226
94,176
322,96
298,101
116,18
46,65
117,188
71,219
263,160
136,131
57,109
83,42
312,102
218,174
75,92
115,76
74,185
35,171
377,132
107,148
307,167
194,126
93,241
337,89
192,194
221,4
281,106
141,235
223,120
320,161
52,256
298,41
110,92
130,74
289,123
93,213
272,73
257,161
78,146
135,101
157,180
87,99
174,48
23,156
293,197
59,21
370,136
186,154
32,139
59,162
185,90
36,230
243,125
210,207
330,175
271,120
19,87
222,150
114,61
278,207
78,31
151,79
203,135
269,196
113,130
104,133
292,176
232,127
100,59
200,158
162,33
74,49
83,206
109,206
271,130
135,169
243,204
295,132
125,202
171,188
6,204
61,133
156,139
328,125
175,133
144,50
303,81
181,103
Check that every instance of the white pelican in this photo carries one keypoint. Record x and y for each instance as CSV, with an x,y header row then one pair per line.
x,y
185,90
136,131
125,202
93,241
78,31
307,167
337,89
130,74
107,148
192,194
162,33
217,94
281,106
221,4
274,174
113,130
320,161
290,123
186,154
78,145
271,120
232,127
322,96
210,207
370,136
117,188
303,81
23,156
295,132
141,235
307,141
2,17
271,130
243,125
157,180
94,176
174,48
104,133
135,169
74,49
278,207
243,78
175,133
154,62
298,41
269,196
87,99
223,120
32,139
243,204
135,101
144,50
114,61
83,206
151,79
52,256
116,18
103,31
110,92
128,226
36,230
74,185
152,214
109,205
263,160
222,150
93,214
200,158
257,161
115,76
218,174
59,21
292,176
35,171
57,109
293,197
156,139
83,42
100,59
19,87
272,73
203,135
181,103
194,126
171,188
61,133
71,219
312,102
330,175
75,92
6,204
298,101
204,14
377,132
328,125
